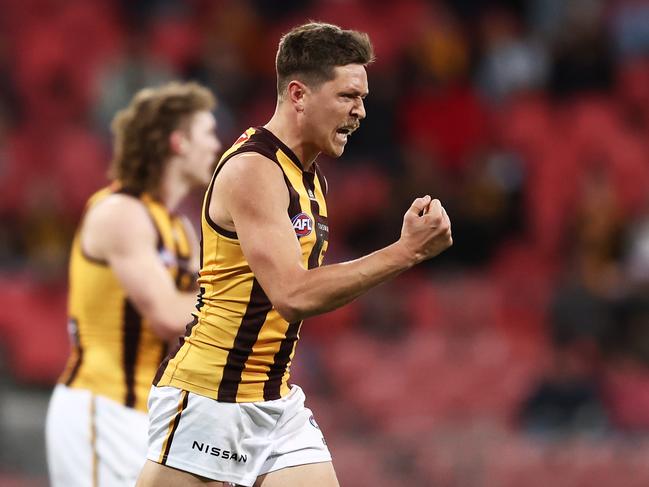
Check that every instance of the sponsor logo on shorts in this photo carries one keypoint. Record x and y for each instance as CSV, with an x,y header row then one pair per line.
x,y
219,452
302,224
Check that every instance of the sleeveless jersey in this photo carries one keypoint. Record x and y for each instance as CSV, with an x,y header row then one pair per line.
x,y
114,351
239,348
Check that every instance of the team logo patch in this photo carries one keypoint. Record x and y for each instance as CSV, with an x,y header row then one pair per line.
x,y
302,224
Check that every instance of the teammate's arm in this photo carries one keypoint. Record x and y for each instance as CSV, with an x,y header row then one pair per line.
x,y
250,197
120,232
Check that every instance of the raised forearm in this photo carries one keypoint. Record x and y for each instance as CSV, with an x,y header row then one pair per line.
x,y
329,287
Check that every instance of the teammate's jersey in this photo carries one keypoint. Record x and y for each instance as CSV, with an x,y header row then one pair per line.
x,y
114,351
239,348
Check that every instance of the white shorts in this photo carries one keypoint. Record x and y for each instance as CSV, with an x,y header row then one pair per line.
x,y
232,442
93,441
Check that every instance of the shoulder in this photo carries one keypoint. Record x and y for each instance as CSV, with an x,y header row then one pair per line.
x,y
119,215
249,169
249,182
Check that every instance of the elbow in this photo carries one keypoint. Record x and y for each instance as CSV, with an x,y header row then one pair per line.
x,y
298,307
291,299
289,311
293,306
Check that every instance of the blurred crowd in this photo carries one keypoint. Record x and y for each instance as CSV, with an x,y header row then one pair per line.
x,y
528,119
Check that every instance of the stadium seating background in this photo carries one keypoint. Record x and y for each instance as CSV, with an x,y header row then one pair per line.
x,y
518,358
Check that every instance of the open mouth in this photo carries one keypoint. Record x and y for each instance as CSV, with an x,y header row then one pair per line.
x,y
347,129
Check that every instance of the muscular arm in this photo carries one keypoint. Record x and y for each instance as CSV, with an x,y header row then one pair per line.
x,y
120,231
251,197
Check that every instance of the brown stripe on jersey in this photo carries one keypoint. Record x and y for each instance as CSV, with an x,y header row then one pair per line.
x,y
273,385
164,352
176,249
166,447
323,181
89,258
76,367
309,183
128,191
273,140
182,258
294,207
182,272
258,307
280,361
200,250
160,241
131,341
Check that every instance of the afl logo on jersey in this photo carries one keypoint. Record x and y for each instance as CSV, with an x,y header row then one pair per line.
x,y
302,224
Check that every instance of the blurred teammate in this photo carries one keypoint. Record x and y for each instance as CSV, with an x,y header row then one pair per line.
x,y
221,409
132,286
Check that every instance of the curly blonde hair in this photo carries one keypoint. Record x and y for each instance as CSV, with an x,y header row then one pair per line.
x,y
141,132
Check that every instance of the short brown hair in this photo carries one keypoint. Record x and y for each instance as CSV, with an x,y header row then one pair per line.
x,y
142,130
310,52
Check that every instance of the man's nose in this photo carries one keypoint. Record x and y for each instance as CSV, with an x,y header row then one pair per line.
x,y
359,109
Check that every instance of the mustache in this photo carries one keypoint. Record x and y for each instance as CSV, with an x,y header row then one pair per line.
x,y
351,126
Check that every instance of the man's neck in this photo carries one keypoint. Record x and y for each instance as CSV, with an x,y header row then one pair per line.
x,y
286,128
173,188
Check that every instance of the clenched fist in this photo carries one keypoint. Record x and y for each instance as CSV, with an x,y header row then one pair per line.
x,y
426,230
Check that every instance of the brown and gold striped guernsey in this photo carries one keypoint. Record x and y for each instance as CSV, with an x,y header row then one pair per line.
x,y
239,348
115,353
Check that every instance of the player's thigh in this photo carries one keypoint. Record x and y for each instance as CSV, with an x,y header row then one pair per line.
x,y
156,475
320,474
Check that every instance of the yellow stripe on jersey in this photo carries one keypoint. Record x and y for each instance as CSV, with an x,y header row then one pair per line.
x,y
115,352
239,348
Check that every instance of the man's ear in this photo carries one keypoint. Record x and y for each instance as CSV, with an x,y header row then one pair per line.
x,y
296,91
178,142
